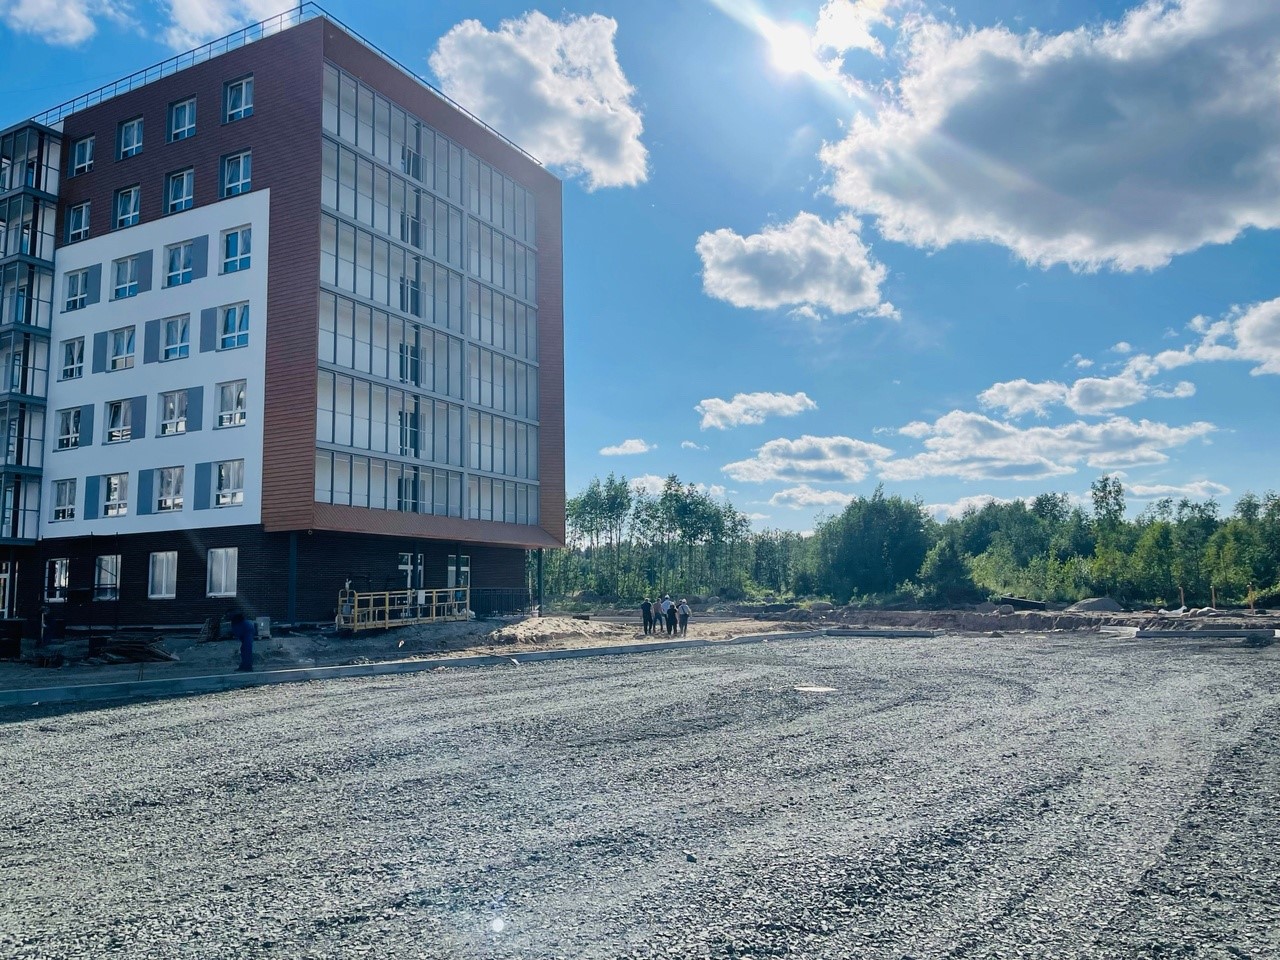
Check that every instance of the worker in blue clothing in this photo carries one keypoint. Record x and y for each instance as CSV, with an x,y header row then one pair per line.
x,y
243,630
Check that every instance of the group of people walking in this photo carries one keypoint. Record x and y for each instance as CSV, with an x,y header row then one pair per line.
x,y
665,613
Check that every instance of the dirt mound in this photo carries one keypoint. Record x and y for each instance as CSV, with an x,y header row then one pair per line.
x,y
543,629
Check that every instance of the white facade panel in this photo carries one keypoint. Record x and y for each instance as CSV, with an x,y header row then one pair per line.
x,y
203,367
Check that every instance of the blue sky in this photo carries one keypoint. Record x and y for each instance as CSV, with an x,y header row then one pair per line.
x,y
972,250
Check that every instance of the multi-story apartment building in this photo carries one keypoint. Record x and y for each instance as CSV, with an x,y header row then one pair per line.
x,y
275,316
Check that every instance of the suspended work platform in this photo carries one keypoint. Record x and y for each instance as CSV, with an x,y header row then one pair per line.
x,y
401,608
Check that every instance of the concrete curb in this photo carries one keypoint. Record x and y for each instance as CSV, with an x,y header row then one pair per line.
x,y
217,683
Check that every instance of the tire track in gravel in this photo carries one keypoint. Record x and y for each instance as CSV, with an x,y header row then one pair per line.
x,y
1214,890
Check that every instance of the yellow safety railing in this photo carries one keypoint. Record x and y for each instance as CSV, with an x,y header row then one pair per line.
x,y
379,610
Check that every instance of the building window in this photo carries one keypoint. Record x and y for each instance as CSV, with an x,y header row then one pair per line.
x,y
128,206
126,278
235,249
119,421
78,222
77,289
182,119
18,309
222,571
169,489
178,263
72,359
69,428
234,331
82,156
236,173
162,581
229,484
409,433
459,572
130,137
177,338
173,412
180,189
57,577
64,500
410,365
115,495
120,349
106,578
237,100
231,412
414,574
407,492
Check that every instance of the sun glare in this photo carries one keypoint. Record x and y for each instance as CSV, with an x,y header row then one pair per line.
x,y
790,49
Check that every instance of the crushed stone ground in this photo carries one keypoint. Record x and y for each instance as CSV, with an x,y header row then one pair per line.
x,y
327,648
1062,796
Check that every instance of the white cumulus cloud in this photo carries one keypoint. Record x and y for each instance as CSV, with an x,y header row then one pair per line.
x,y
751,408
809,265
809,459
957,508
64,23
193,22
971,446
1199,489
1088,395
1118,145
627,447
1018,397
1249,334
846,25
554,87
1102,394
805,496
649,483
690,445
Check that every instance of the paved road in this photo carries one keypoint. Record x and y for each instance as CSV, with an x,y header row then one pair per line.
x,y
1063,797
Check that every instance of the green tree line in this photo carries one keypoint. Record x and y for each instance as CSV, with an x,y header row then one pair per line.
x,y
626,543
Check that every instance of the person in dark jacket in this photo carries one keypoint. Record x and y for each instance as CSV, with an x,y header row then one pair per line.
x,y
671,618
646,611
243,630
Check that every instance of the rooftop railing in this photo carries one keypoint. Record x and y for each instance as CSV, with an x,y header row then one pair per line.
x,y
234,41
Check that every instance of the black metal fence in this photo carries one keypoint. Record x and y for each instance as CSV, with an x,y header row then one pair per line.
x,y
500,601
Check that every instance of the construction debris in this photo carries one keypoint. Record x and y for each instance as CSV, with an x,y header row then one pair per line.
x,y
127,650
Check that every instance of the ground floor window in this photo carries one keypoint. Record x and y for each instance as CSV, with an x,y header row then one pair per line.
x,y
163,581
57,576
223,562
106,578
414,572
459,574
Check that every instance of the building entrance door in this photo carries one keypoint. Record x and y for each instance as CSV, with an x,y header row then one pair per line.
x,y
7,573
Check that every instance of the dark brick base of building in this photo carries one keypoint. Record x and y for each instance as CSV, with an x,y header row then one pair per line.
x,y
291,577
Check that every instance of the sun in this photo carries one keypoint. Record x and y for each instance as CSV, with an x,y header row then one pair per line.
x,y
790,48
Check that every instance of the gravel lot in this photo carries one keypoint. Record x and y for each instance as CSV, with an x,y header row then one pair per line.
x,y
1034,796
